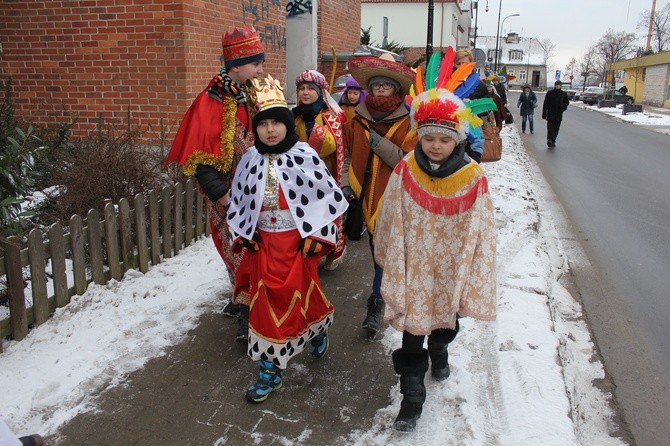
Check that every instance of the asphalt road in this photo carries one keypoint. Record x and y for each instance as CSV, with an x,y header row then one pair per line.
x,y
611,179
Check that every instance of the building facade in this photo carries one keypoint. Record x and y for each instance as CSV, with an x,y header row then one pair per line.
x,y
523,57
407,24
141,64
647,78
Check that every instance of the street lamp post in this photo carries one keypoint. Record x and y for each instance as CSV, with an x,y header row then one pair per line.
x,y
498,34
429,37
476,6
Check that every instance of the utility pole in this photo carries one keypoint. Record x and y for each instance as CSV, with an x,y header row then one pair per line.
x,y
429,38
651,24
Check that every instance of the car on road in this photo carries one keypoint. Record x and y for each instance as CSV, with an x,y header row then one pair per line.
x,y
571,94
587,91
592,98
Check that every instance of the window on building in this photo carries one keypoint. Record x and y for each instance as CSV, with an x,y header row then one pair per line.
x,y
522,75
491,54
516,55
511,72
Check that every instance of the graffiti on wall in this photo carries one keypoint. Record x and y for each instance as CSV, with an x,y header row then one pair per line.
x,y
273,37
257,11
297,7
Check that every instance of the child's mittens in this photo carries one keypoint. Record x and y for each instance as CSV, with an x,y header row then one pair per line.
x,y
310,247
253,244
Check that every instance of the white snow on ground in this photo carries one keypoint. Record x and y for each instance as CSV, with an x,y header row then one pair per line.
x,y
527,378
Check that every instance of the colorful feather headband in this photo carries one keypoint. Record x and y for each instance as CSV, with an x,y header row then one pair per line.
x,y
438,105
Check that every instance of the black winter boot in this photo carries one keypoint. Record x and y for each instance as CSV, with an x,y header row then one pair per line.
x,y
375,316
242,324
412,368
438,342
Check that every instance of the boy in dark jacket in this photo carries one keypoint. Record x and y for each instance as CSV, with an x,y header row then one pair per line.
x,y
555,103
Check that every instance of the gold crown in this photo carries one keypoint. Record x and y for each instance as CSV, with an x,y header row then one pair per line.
x,y
264,94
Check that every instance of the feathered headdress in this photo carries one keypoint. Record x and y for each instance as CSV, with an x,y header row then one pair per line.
x,y
438,105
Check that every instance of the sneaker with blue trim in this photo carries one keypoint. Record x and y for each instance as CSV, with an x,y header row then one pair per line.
x,y
269,380
318,346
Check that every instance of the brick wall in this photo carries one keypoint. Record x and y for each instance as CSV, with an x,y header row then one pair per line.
x,y
339,26
108,60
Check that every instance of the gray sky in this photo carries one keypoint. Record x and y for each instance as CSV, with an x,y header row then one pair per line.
x,y
572,25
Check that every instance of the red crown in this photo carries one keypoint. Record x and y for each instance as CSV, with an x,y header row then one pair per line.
x,y
242,45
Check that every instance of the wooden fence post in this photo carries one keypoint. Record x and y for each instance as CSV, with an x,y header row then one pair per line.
x,y
127,244
58,248
38,278
199,211
95,247
111,234
166,205
154,221
188,217
18,319
178,217
141,225
78,254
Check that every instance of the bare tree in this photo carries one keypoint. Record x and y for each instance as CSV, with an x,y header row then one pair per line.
x,y
615,46
660,27
549,50
588,64
571,67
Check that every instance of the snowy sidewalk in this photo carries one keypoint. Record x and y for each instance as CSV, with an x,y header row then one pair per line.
x,y
527,378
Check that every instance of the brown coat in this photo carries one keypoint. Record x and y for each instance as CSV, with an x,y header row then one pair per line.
x,y
397,141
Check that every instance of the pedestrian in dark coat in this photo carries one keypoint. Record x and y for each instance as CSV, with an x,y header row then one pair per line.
x,y
555,103
527,103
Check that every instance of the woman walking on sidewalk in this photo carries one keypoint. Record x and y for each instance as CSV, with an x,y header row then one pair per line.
x,y
527,103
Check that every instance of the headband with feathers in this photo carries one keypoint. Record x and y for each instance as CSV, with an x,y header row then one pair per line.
x,y
438,101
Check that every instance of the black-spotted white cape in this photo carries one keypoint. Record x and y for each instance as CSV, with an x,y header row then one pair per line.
x,y
313,197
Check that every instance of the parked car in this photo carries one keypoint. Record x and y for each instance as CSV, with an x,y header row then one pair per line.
x,y
580,95
571,94
611,95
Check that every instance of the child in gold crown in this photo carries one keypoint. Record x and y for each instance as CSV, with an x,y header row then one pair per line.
x,y
435,240
283,206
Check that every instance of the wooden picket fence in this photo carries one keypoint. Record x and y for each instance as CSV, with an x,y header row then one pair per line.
x,y
153,229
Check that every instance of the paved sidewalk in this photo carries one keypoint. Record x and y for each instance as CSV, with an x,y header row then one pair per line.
x,y
194,395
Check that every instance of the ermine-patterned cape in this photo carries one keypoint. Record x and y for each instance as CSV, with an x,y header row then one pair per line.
x,y
435,239
314,199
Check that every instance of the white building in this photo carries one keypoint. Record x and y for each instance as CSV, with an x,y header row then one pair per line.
x,y
523,56
407,22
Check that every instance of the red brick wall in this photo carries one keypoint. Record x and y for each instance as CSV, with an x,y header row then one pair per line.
x,y
339,26
96,59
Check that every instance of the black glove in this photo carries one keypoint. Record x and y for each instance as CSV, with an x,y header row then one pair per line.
x,y
310,247
253,244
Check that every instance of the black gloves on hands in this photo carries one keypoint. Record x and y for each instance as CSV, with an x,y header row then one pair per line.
x,y
253,244
310,247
